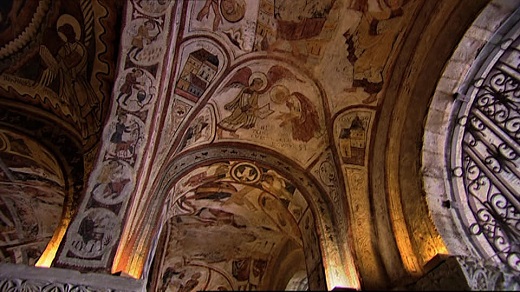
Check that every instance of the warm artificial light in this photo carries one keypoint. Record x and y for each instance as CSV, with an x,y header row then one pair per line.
x,y
341,275
49,253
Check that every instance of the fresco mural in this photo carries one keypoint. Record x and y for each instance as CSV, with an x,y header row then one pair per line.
x,y
76,97
200,64
198,71
352,136
31,198
377,31
136,90
326,172
201,128
263,105
95,230
296,28
352,130
259,73
233,20
256,209
303,79
125,138
51,61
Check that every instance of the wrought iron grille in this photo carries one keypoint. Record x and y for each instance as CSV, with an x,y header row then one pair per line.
x,y
485,157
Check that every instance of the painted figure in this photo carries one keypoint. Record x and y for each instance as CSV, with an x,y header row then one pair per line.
x,y
93,233
302,118
243,107
110,183
204,12
376,33
132,81
231,10
125,148
121,128
145,35
75,92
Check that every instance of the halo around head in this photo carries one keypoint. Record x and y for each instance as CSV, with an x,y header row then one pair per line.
x,y
261,76
67,18
279,94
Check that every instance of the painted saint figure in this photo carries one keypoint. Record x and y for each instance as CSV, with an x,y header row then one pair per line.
x,y
121,128
369,43
302,118
75,92
244,107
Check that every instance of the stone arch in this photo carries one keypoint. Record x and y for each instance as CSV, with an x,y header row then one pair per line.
x,y
333,250
478,51
408,240
260,221
55,142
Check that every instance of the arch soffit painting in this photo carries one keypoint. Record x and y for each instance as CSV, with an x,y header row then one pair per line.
x,y
58,140
65,148
293,85
286,79
253,213
326,222
214,94
35,197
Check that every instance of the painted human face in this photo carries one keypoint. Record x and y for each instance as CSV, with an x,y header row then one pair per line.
x,y
257,83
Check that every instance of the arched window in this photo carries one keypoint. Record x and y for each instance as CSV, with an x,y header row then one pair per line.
x,y
484,158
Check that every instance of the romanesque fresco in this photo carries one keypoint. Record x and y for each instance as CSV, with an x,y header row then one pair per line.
x,y
352,136
300,80
201,129
259,214
98,224
294,78
199,70
266,105
49,60
309,32
210,144
352,130
31,198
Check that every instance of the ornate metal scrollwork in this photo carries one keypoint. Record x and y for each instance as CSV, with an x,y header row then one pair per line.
x,y
486,147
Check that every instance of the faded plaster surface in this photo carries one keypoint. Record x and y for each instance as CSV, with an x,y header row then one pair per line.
x,y
225,138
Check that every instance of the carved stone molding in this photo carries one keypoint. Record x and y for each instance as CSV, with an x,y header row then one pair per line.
x,y
462,273
28,278
482,276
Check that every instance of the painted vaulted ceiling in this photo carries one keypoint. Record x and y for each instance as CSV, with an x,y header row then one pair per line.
x,y
229,138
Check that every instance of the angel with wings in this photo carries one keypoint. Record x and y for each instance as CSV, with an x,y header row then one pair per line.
x,y
76,94
244,107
